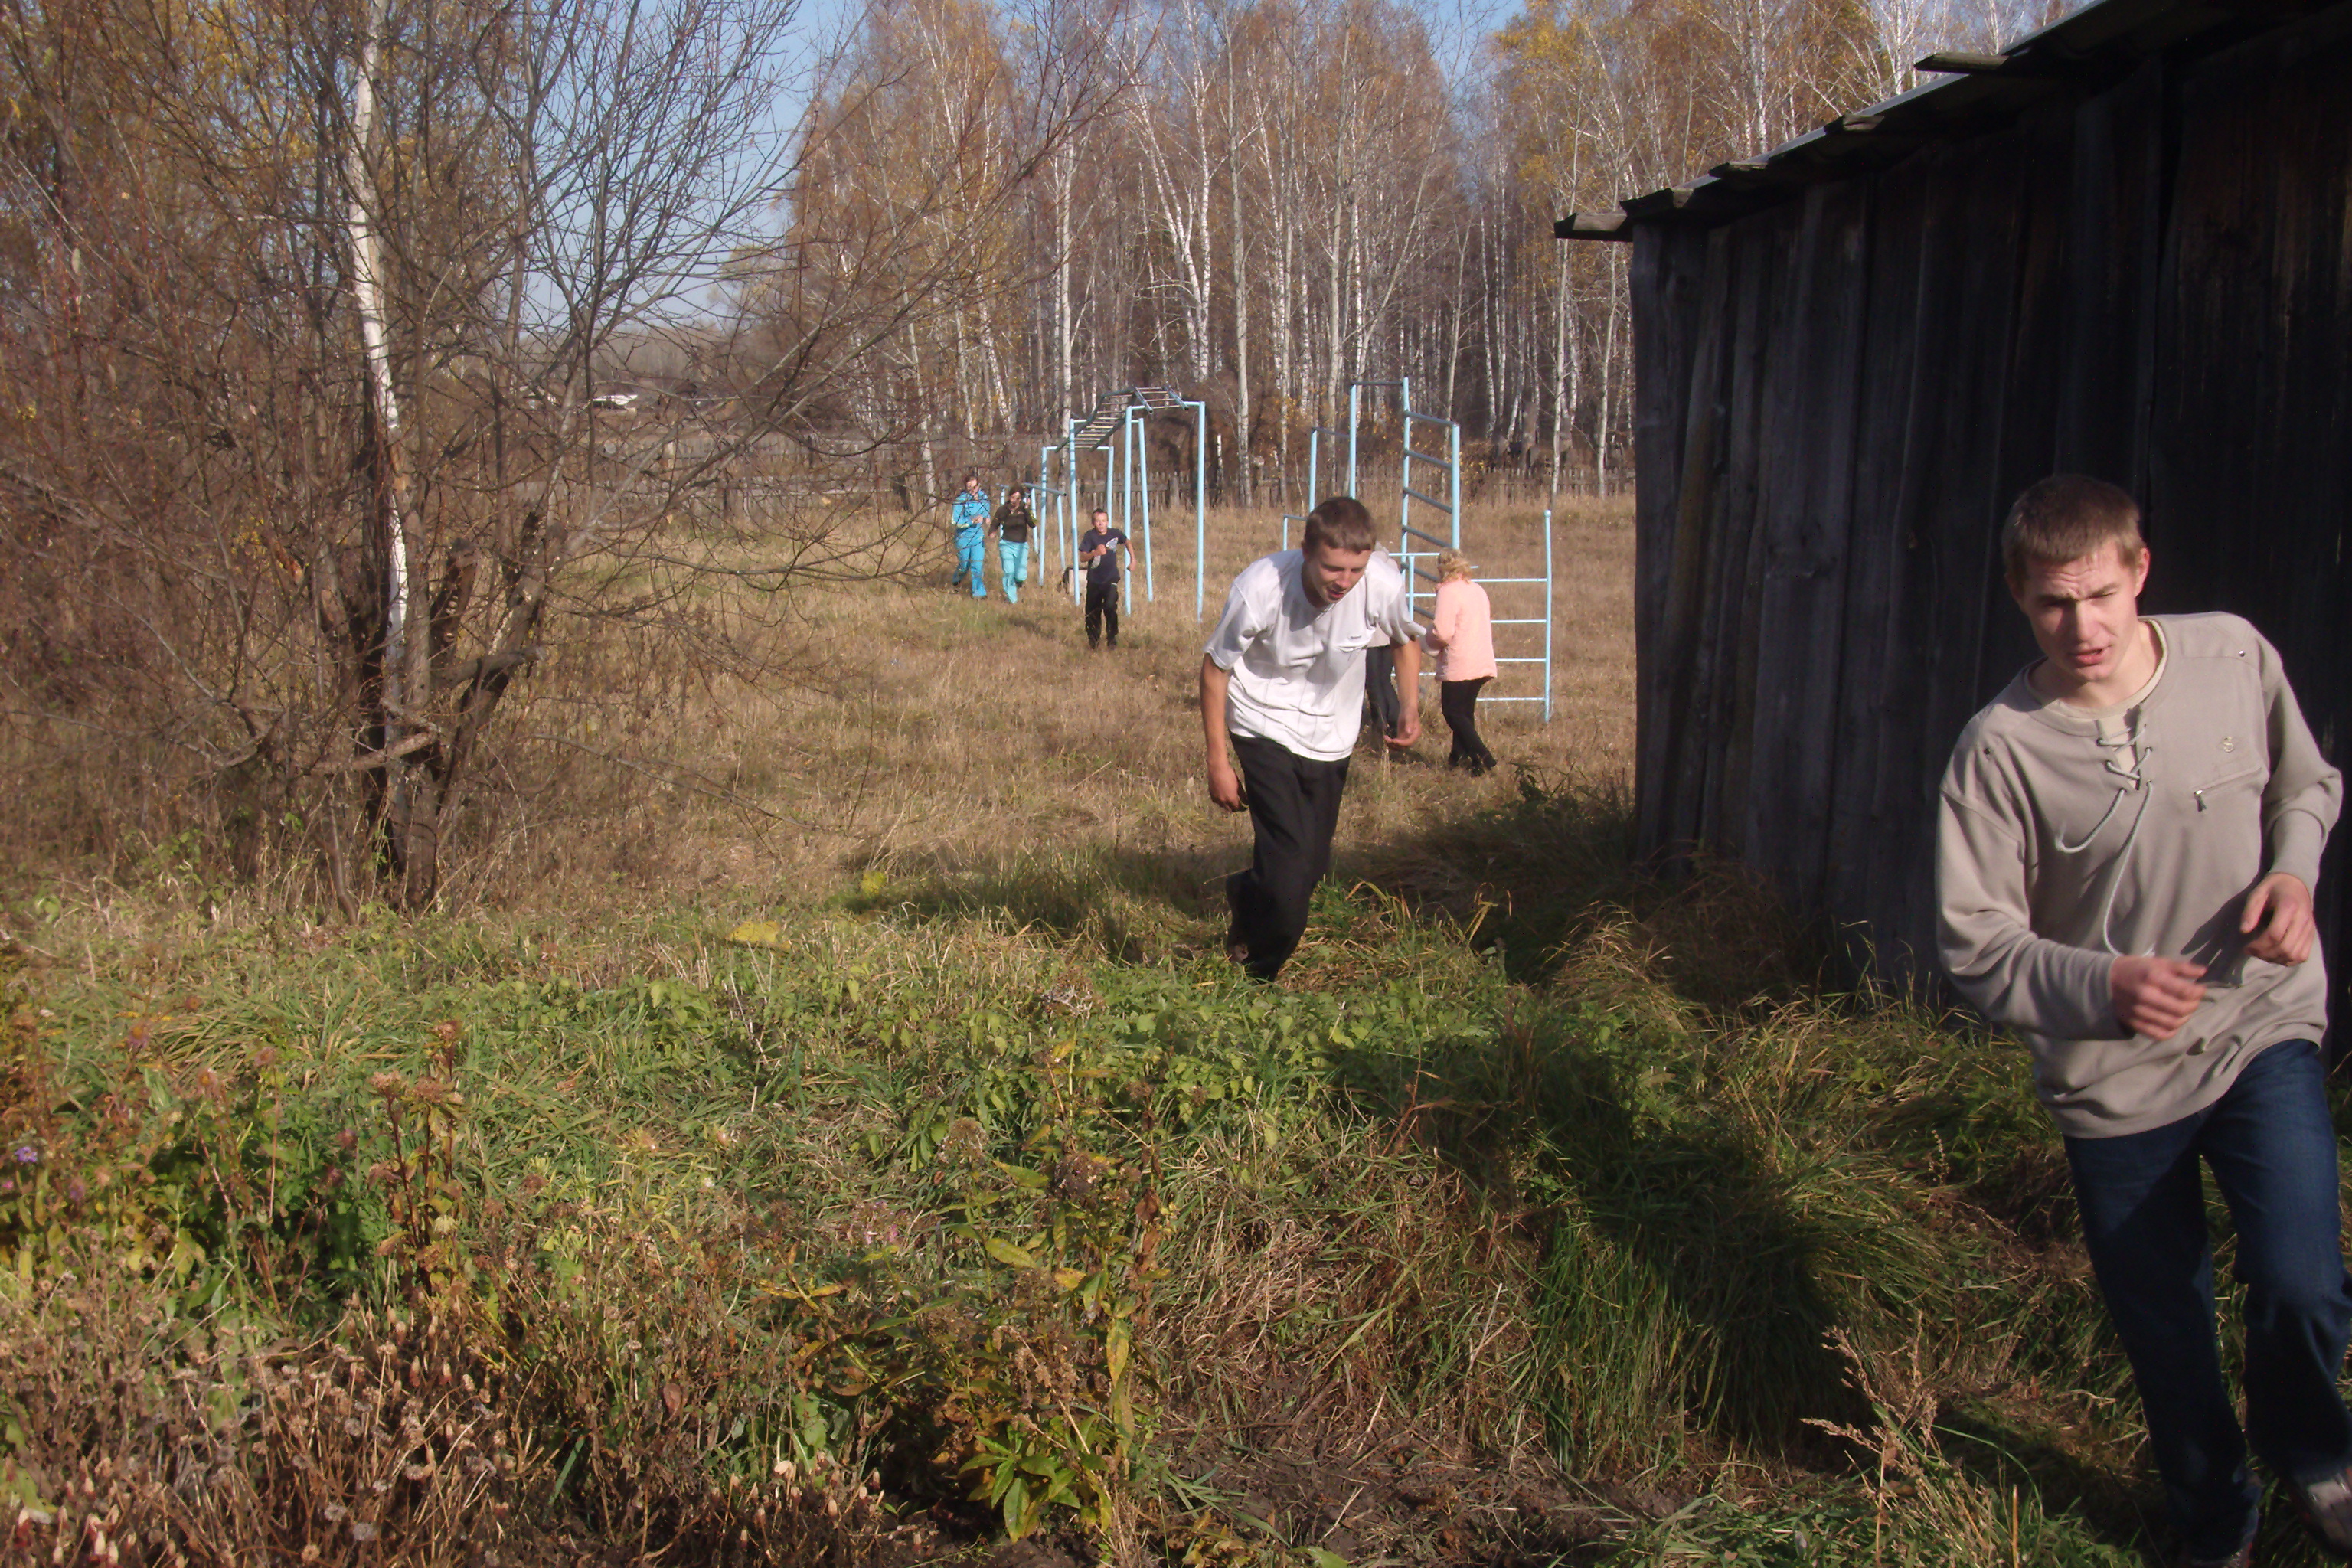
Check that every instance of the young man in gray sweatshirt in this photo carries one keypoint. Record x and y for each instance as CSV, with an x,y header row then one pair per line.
x,y
2128,841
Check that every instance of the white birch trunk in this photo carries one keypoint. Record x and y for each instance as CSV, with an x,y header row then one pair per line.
x,y
1608,380
402,671
1240,303
1065,167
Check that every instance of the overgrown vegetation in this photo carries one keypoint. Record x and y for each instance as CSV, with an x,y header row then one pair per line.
x,y
868,1159
898,1223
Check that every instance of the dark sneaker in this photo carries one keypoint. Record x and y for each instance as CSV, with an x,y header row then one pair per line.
x,y
2325,1507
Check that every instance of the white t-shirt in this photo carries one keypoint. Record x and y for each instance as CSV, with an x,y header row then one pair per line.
x,y
1298,668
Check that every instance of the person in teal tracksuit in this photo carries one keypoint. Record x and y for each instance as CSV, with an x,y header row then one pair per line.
x,y
970,515
1011,526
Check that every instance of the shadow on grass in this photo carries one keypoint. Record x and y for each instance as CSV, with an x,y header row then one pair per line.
x,y
1531,879
1682,1278
1706,1213
1129,902
1998,1454
1529,876
1539,875
1696,1255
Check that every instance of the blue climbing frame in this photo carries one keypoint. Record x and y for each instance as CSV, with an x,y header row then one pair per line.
x,y
1313,496
1048,501
1117,429
1544,659
1415,545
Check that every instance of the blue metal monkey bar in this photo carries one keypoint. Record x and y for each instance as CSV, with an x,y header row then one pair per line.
x,y
1117,429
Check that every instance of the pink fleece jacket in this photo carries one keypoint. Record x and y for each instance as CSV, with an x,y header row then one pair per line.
x,y
1461,631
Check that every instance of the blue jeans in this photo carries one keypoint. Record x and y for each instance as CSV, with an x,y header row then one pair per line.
x,y
1013,563
2272,1149
971,559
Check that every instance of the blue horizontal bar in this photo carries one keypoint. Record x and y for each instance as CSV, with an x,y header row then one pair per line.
x,y
1424,457
1442,505
1431,419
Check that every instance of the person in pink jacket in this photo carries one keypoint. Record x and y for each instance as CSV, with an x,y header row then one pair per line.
x,y
1461,636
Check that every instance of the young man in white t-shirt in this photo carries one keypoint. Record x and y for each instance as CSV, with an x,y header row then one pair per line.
x,y
1282,693
2129,844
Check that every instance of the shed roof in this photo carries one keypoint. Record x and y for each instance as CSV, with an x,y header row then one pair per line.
x,y
2073,56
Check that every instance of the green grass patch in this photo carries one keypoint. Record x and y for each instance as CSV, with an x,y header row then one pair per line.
x,y
987,1201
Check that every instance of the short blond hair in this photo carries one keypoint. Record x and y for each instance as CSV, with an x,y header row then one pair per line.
x,y
1454,564
2068,517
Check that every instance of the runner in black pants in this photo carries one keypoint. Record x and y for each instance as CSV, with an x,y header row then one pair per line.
x,y
1099,550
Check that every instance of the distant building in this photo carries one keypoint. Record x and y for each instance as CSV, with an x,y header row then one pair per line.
x,y
2122,246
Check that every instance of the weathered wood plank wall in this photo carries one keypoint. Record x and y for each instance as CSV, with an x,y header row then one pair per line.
x,y
1841,392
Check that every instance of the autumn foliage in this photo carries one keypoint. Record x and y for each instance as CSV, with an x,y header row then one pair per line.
x,y
360,360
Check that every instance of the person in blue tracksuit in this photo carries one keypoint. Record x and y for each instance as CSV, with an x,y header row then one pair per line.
x,y
1012,525
970,514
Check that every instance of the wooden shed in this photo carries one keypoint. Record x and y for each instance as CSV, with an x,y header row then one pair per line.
x,y
2123,248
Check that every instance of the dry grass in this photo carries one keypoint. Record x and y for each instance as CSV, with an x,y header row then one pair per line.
x,y
700,734
899,724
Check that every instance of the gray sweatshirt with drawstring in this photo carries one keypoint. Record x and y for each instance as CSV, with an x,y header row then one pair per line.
x,y
2068,838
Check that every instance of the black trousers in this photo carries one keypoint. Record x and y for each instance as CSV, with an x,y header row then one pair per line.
x,y
1458,701
1294,806
1102,612
1380,685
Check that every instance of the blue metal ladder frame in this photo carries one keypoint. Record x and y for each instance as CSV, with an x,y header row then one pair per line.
x,y
1410,555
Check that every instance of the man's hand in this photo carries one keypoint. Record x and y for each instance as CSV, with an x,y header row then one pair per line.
x,y
1225,784
2154,996
2279,912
